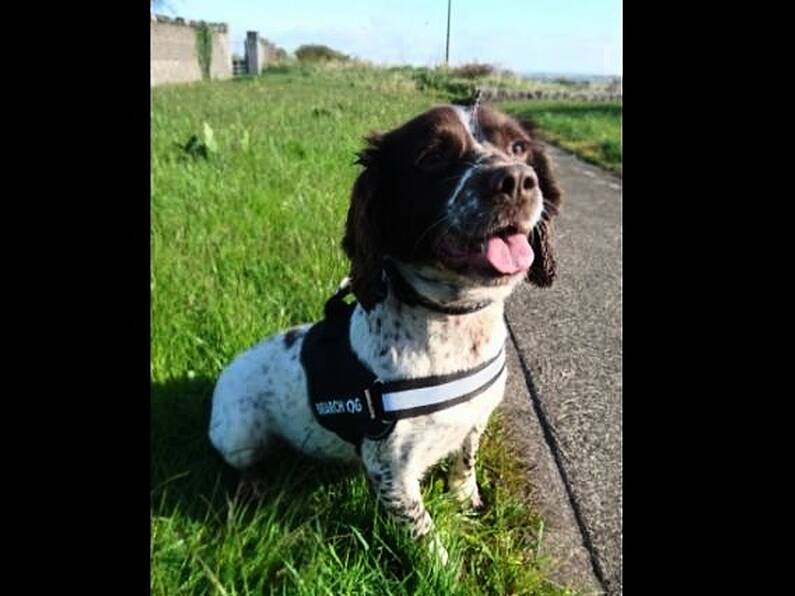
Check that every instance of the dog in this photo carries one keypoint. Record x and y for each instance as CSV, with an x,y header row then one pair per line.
x,y
451,211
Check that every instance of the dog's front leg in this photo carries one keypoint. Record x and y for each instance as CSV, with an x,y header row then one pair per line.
x,y
398,489
461,479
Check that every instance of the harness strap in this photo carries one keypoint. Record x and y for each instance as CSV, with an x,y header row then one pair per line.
x,y
347,398
396,400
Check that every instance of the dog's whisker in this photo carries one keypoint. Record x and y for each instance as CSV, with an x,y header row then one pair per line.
x,y
443,219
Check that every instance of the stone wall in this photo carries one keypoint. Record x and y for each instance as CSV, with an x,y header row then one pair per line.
x,y
174,58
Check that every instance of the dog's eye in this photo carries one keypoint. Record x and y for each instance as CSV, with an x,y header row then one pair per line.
x,y
518,147
432,158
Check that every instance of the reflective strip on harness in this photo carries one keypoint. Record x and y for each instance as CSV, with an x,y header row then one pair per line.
x,y
428,399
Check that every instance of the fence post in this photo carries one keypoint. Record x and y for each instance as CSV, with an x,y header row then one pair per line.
x,y
252,52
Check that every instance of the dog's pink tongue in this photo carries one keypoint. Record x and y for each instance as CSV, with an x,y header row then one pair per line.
x,y
509,255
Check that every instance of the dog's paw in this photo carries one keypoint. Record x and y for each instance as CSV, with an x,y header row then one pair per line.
x,y
475,502
468,497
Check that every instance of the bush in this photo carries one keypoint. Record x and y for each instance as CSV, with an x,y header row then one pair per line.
x,y
439,79
319,53
277,68
473,70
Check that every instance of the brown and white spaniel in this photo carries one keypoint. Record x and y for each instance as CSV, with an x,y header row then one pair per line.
x,y
452,210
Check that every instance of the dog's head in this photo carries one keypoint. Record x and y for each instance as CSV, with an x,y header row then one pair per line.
x,y
461,200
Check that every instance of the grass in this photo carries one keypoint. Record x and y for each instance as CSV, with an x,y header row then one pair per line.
x,y
591,130
452,82
245,237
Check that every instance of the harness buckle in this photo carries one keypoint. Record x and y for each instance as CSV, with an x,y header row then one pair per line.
x,y
369,392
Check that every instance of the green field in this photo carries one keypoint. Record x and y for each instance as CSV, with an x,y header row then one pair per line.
x,y
591,130
246,223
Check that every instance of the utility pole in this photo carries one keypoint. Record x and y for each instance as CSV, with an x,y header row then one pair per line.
x,y
447,50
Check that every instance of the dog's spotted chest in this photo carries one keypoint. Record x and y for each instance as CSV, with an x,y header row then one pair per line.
x,y
398,341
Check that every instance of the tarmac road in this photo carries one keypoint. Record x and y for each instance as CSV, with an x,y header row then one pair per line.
x,y
564,394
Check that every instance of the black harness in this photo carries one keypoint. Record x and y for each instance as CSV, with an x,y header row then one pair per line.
x,y
348,399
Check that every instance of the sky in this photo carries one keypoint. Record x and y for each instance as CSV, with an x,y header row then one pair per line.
x,y
527,36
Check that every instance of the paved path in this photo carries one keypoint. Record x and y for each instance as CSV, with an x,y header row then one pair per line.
x,y
564,396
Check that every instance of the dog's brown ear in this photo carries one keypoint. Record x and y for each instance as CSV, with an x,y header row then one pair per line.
x,y
369,155
362,239
544,268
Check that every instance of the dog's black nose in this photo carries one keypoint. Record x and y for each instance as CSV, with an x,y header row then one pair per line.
x,y
515,181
